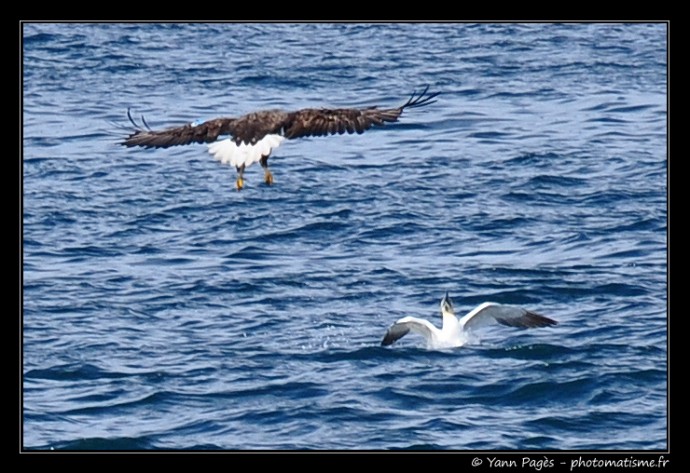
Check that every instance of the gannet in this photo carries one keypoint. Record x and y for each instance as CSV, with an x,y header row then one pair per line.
x,y
454,332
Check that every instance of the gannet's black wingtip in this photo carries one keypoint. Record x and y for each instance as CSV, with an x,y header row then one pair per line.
x,y
394,333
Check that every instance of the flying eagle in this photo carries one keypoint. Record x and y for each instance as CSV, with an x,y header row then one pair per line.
x,y
252,137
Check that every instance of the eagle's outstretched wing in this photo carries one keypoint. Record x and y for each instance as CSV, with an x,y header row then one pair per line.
x,y
252,127
206,132
320,122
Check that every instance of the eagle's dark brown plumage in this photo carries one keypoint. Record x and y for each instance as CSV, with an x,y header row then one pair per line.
x,y
249,131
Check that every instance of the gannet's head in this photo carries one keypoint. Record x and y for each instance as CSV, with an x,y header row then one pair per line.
x,y
447,306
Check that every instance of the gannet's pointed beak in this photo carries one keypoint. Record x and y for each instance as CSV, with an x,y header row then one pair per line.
x,y
447,304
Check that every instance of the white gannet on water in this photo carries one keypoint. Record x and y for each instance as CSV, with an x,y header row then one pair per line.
x,y
454,332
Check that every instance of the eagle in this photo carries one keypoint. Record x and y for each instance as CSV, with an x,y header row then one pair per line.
x,y
244,140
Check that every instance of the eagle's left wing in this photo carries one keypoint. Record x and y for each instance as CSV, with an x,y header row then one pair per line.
x,y
321,121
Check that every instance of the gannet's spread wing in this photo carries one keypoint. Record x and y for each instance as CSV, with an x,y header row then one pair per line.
x,y
490,313
409,324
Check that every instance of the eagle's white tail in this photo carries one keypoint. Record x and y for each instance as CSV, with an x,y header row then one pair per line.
x,y
228,152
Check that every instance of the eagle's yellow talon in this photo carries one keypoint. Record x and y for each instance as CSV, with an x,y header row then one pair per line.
x,y
240,183
268,177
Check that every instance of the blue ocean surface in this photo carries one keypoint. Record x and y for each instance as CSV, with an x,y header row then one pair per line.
x,y
162,309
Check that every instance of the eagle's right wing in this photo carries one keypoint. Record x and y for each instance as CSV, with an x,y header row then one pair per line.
x,y
205,132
